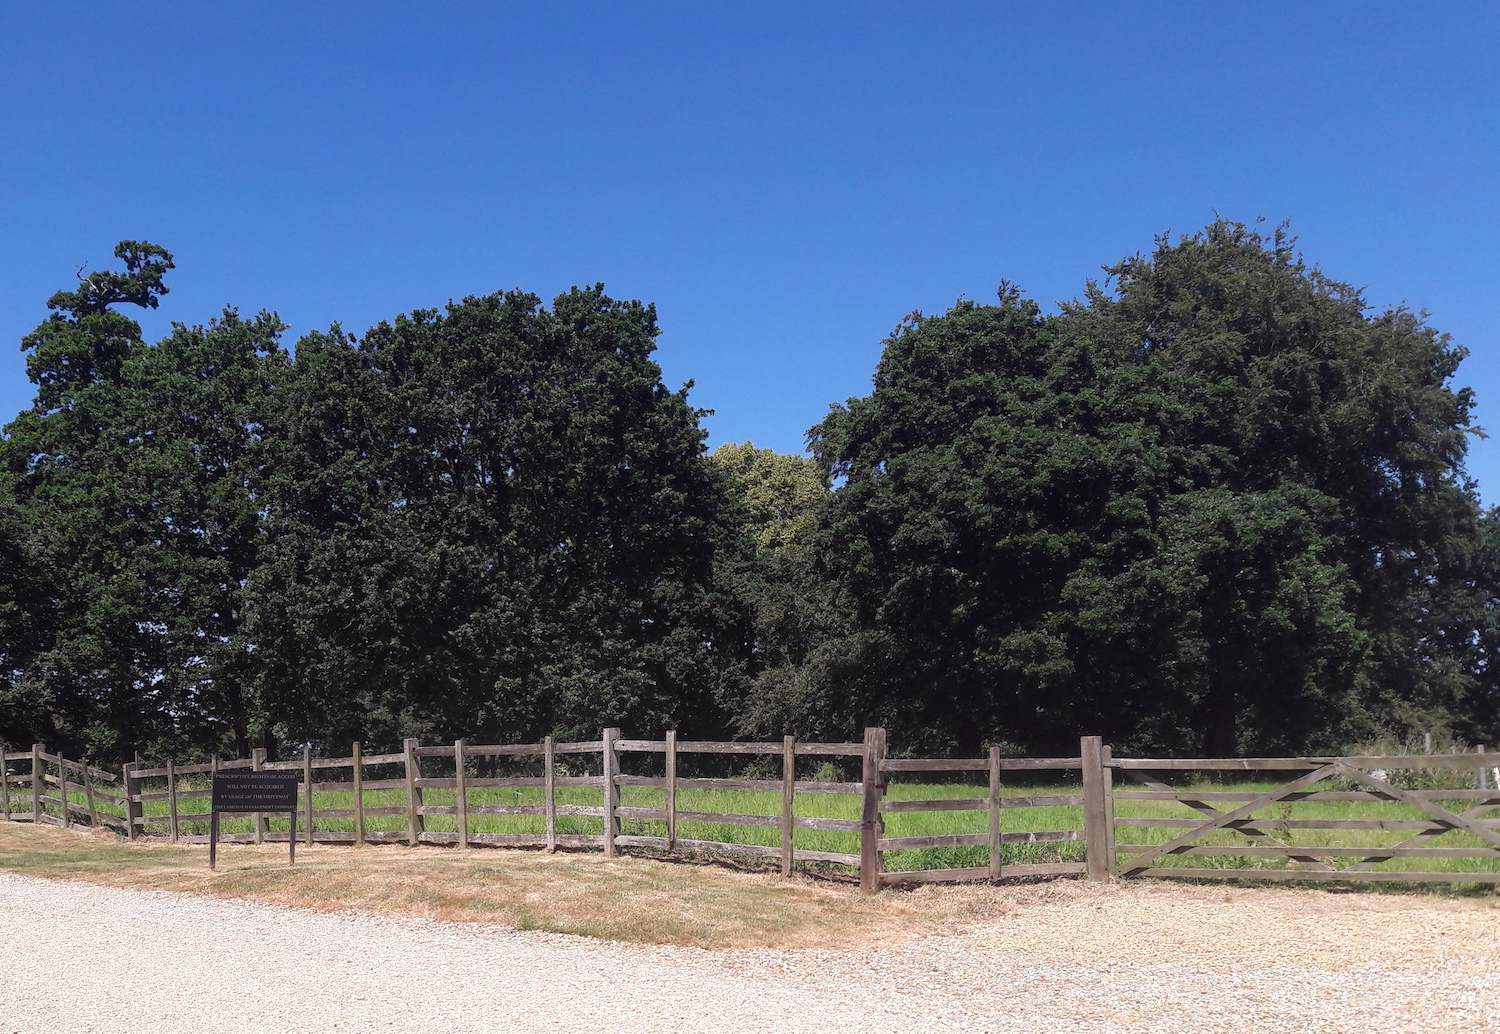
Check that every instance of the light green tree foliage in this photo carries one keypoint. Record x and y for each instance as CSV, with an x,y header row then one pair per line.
x,y
796,611
781,493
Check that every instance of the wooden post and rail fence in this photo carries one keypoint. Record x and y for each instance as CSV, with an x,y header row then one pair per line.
x,y
44,788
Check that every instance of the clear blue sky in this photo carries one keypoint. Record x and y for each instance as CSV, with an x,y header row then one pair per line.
x,y
784,181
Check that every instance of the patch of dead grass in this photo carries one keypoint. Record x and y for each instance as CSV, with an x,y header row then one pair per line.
x,y
645,900
624,898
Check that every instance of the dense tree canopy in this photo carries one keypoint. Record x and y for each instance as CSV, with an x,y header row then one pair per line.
x,y
1219,507
129,488
126,484
496,520
489,521
1215,505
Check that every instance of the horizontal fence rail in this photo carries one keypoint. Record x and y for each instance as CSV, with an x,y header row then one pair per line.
x,y
994,804
1171,817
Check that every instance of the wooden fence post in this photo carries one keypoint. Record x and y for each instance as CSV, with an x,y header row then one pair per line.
x,y
213,824
213,816
671,801
788,794
172,801
611,791
1106,755
257,760
4,782
359,796
62,788
461,790
870,824
1481,780
88,795
133,808
415,820
997,849
1095,808
307,804
549,791
38,780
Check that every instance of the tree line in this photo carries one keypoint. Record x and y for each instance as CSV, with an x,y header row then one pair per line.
x,y
1217,504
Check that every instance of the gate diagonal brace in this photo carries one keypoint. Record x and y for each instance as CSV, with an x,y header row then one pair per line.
x,y
1247,828
1415,840
1465,821
1224,818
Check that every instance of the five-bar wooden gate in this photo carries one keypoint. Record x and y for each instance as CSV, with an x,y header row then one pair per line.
x,y
1237,818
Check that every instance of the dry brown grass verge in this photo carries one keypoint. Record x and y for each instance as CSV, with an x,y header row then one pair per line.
x,y
626,898
649,901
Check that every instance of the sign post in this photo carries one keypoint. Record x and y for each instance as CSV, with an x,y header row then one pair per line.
x,y
249,792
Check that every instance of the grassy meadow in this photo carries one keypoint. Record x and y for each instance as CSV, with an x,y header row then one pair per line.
x,y
819,805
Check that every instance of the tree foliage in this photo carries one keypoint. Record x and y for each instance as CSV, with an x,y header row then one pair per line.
x,y
496,520
1217,507
489,521
128,492
796,614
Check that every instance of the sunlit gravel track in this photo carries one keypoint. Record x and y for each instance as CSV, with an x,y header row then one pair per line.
x,y
84,958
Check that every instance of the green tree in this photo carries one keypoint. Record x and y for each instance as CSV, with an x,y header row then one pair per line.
x,y
197,415
85,343
131,489
796,612
1216,508
781,493
77,658
1303,390
495,521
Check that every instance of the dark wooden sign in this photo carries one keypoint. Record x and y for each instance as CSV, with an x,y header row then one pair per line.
x,y
253,792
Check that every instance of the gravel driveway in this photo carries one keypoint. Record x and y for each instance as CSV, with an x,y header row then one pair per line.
x,y
84,958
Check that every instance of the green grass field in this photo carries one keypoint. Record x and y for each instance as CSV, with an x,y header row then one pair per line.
x,y
904,824
841,806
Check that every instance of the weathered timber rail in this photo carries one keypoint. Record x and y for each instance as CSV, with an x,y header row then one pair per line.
x,y
994,803
1253,827
52,771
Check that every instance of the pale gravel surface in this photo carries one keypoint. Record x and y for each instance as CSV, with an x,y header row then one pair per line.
x,y
1145,958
